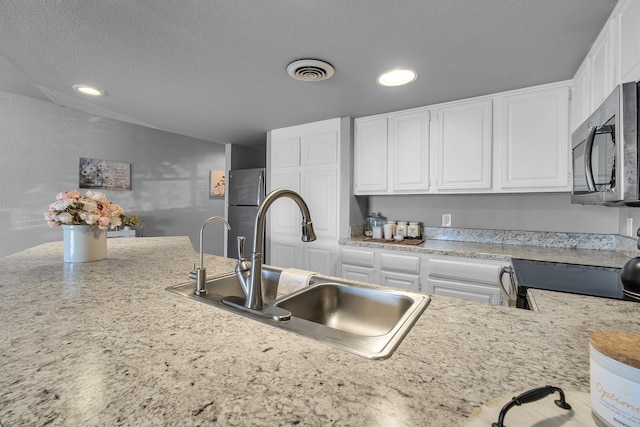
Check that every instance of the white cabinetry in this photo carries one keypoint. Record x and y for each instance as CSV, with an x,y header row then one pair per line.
x,y
400,270
515,141
627,18
462,134
409,156
386,267
307,159
370,163
601,59
580,96
391,153
359,264
531,139
465,278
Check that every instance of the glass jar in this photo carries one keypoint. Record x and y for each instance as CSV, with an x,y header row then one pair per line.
x,y
373,220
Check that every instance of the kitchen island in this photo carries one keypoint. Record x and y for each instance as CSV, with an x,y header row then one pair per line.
x,y
103,343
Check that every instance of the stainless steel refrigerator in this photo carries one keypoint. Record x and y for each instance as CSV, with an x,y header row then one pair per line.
x,y
246,189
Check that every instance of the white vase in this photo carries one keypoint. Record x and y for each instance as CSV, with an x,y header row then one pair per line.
x,y
83,243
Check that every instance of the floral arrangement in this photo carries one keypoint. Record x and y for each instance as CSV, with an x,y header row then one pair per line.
x,y
92,208
132,220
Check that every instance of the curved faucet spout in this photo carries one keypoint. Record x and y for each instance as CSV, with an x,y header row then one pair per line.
x,y
254,290
208,220
200,273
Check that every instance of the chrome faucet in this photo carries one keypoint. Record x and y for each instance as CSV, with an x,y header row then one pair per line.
x,y
200,273
250,273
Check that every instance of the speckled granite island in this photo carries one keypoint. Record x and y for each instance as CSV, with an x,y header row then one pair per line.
x,y
103,343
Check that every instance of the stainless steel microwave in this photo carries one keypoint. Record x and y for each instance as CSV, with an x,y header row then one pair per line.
x,y
605,152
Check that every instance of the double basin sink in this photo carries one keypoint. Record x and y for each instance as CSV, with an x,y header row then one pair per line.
x,y
359,318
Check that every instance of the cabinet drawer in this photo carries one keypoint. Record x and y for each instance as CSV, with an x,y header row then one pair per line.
x,y
484,294
475,272
398,262
358,257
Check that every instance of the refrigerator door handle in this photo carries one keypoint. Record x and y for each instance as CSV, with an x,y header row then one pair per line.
x,y
261,188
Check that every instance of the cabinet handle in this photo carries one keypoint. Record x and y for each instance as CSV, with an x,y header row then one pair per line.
x,y
532,396
511,295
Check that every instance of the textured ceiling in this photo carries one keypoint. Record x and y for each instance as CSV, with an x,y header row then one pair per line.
x,y
216,70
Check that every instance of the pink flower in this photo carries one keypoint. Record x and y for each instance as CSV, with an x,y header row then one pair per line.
x,y
103,222
72,208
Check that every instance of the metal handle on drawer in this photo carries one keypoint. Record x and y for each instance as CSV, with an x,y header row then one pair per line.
x,y
511,295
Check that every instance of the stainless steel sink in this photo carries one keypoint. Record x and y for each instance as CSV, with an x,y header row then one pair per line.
x,y
362,319
359,311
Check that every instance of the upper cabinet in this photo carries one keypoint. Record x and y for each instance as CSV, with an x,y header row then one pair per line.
x,y
391,153
371,152
462,135
614,58
515,141
531,139
627,20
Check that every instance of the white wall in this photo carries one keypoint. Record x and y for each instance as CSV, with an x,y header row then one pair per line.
x,y
529,212
40,147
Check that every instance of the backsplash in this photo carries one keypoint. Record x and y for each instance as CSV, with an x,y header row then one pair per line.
x,y
609,242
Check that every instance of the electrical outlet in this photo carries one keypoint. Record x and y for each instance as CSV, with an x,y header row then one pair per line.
x,y
630,231
446,220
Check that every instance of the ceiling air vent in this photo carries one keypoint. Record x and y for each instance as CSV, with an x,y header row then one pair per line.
x,y
310,70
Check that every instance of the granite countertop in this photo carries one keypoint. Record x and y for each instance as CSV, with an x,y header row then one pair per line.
x,y
594,257
103,343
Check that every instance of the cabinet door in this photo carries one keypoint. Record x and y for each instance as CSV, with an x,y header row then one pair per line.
x,y
409,142
466,278
601,57
284,215
358,273
370,156
319,258
580,101
628,30
464,291
319,189
285,152
319,149
533,139
464,135
400,280
285,254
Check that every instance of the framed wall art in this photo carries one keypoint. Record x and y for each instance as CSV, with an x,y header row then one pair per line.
x,y
217,183
104,174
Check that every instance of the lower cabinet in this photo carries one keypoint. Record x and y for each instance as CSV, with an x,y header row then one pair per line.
x,y
400,270
389,268
358,264
465,278
454,276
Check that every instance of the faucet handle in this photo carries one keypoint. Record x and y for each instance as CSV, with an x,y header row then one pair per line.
x,y
241,240
243,265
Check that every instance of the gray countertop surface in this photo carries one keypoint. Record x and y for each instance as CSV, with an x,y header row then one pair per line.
x,y
595,257
103,343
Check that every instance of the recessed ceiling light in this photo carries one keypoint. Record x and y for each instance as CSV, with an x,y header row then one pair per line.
x,y
88,90
397,77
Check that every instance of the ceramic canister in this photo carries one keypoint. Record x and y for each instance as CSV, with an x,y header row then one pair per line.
x,y
615,378
401,228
